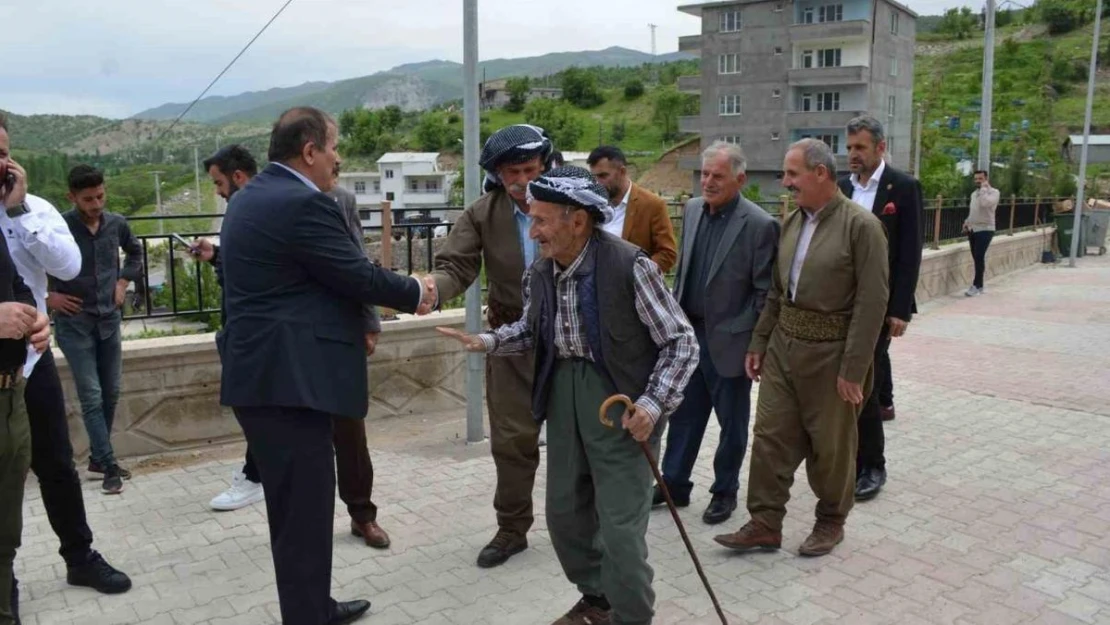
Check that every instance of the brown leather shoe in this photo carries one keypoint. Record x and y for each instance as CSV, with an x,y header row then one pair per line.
x,y
372,533
887,413
583,613
753,535
821,541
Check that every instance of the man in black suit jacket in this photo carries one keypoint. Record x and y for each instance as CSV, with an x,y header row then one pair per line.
x,y
293,348
895,198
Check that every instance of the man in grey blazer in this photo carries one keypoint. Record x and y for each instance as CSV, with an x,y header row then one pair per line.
x,y
724,271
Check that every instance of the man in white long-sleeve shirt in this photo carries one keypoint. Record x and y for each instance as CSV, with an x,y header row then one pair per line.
x,y
979,227
40,243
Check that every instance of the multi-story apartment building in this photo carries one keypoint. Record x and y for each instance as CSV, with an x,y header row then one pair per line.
x,y
775,71
410,180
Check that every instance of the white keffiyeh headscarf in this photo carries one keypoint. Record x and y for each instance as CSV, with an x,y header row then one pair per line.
x,y
572,186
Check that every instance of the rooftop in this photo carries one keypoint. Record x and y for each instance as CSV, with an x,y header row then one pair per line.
x,y
409,157
1092,140
696,9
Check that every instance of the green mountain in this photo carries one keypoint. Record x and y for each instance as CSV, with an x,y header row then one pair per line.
x,y
414,86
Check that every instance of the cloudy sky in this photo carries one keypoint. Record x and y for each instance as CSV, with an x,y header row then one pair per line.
x,y
118,57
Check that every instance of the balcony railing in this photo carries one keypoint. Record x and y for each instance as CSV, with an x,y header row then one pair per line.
x,y
689,43
821,76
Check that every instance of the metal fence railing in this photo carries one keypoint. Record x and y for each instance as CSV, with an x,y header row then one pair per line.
x,y
174,284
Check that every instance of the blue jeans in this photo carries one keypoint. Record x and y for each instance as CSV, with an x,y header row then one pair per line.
x,y
92,348
706,392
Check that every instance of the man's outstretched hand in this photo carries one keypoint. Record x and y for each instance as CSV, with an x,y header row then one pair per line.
x,y
469,342
429,296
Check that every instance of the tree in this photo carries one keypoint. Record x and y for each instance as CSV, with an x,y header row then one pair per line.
x,y
518,89
558,119
619,131
580,88
633,89
433,131
669,106
959,23
391,117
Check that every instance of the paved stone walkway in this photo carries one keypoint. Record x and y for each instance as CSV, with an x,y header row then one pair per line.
x,y
997,510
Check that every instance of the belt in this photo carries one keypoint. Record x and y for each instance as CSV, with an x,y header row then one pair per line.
x,y
810,325
9,379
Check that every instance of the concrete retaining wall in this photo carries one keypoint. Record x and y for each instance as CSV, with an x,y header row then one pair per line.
x,y
170,399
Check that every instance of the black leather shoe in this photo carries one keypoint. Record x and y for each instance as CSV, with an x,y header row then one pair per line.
x,y
97,574
503,546
657,498
869,483
720,509
348,611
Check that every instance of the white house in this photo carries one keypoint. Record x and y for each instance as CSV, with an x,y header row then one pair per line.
x,y
409,180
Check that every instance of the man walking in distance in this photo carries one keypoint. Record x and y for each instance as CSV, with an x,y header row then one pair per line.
x,y
493,231
87,314
601,321
639,216
811,352
230,169
728,249
39,242
293,349
979,227
895,198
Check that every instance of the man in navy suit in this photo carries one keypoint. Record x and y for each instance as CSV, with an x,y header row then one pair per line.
x,y
895,198
293,349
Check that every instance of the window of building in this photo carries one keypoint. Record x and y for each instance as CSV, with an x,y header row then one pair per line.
x,y
894,66
776,93
730,21
894,22
729,105
389,196
431,186
807,15
831,13
890,106
822,101
728,64
774,136
833,141
389,173
778,7
414,186
828,57
377,186
807,59
360,187
733,139
778,50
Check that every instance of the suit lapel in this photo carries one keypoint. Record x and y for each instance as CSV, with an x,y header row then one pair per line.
x,y
629,212
736,223
689,233
882,195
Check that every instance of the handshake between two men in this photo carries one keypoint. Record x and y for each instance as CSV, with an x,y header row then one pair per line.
x,y
429,295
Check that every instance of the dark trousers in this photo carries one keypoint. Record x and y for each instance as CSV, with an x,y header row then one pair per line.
x,y
980,241
514,440
884,378
293,450
872,439
353,465
708,391
15,458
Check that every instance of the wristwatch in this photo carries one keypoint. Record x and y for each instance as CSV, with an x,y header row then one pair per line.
x,y
18,210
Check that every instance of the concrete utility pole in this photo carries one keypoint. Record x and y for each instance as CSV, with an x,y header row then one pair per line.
x,y
917,142
1079,199
158,199
475,363
653,48
196,170
988,90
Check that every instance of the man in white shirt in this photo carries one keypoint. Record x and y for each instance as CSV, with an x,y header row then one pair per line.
x,y
40,243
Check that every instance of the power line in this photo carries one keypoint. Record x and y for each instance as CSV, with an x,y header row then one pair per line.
x,y
221,74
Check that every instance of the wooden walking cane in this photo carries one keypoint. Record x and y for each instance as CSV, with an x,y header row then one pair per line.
x,y
605,420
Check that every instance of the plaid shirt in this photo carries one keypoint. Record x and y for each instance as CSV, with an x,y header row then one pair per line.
x,y
657,310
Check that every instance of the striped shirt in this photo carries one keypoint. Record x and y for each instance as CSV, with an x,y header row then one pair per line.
x,y
657,310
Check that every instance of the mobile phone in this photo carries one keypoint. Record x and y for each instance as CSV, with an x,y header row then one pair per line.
x,y
7,181
180,240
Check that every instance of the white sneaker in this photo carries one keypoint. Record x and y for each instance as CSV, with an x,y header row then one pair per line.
x,y
543,434
973,291
242,493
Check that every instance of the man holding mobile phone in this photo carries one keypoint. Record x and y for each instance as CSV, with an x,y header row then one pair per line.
x,y
40,242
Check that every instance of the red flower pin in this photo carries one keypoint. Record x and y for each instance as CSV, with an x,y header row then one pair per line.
x,y
889,209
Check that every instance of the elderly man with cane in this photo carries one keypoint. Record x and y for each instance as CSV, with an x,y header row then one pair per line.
x,y
601,321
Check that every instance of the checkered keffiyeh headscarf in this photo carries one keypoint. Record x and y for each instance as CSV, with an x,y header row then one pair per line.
x,y
511,145
572,186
